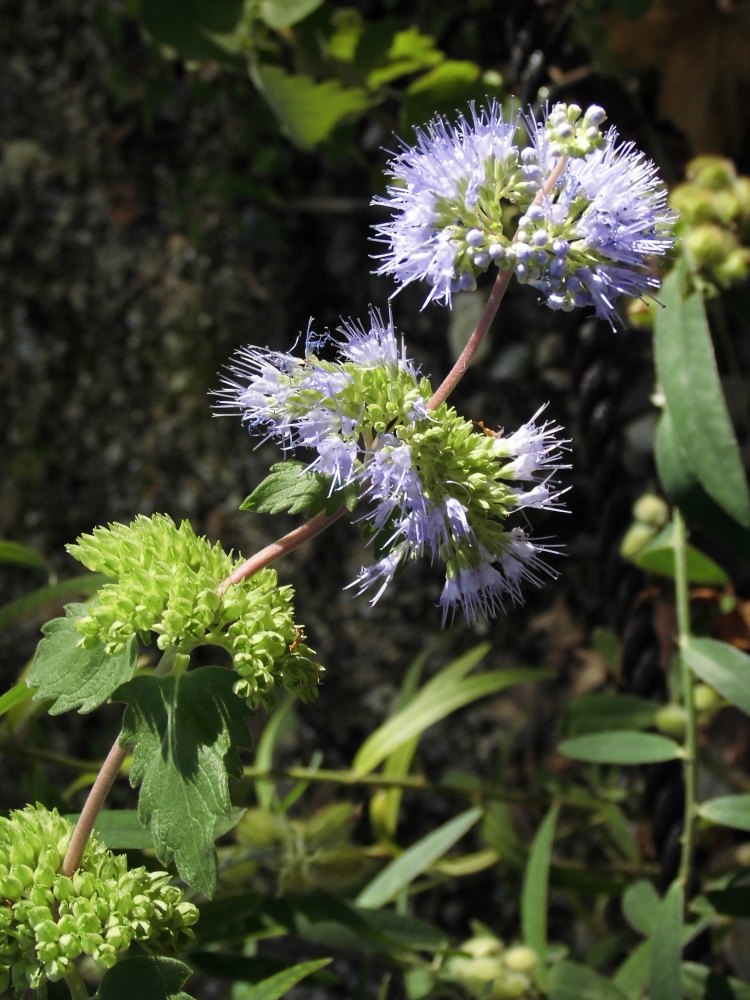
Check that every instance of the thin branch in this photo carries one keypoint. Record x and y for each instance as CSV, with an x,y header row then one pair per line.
x,y
502,281
280,548
99,791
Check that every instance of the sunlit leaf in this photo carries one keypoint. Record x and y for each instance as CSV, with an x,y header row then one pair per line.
x,y
400,872
308,111
410,52
289,487
281,13
535,892
666,947
281,983
687,370
623,747
17,694
724,667
71,675
728,810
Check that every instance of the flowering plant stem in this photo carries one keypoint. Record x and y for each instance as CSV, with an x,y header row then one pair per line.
x,y
76,985
691,729
100,789
490,310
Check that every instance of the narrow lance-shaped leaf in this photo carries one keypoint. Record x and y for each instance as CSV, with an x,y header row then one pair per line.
x,y
265,790
621,747
17,694
687,370
71,675
185,729
20,555
417,859
85,585
724,667
275,987
535,890
728,810
666,947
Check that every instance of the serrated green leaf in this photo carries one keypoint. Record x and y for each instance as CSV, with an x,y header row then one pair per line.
x,y
185,729
282,13
666,947
658,557
86,584
686,366
308,111
728,810
535,891
17,694
595,713
640,907
400,872
700,983
683,488
20,555
623,747
71,675
281,983
148,978
290,488
571,981
724,667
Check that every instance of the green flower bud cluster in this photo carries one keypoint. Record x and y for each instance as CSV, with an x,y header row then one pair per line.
x,y
48,920
650,515
571,135
167,583
487,969
714,207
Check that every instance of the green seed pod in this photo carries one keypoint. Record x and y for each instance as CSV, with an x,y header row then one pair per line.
x,y
672,720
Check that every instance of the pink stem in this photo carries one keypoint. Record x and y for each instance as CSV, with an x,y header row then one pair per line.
x,y
99,791
457,372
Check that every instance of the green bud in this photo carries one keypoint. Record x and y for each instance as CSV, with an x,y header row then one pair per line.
x,y
705,698
636,538
672,720
520,959
712,172
652,510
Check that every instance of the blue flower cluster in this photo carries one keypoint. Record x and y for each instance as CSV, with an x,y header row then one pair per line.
x,y
434,484
576,214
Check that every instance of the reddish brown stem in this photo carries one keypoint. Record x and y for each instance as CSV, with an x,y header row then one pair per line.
x,y
493,304
280,548
99,791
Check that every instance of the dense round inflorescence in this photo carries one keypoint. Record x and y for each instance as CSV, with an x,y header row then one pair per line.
x,y
48,920
575,214
435,483
167,583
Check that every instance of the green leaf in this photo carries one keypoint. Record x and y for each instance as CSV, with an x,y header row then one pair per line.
x,y
687,370
448,76
289,487
571,981
119,829
683,488
405,931
265,790
281,13
594,713
658,557
500,833
632,976
724,667
148,978
229,918
281,983
623,747
666,947
619,827
308,111
86,584
410,52
728,810
535,890
71,675
699,983
17,694
640,907
186,26
445,693
400,872
733,902
185,729
20,555
249,970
